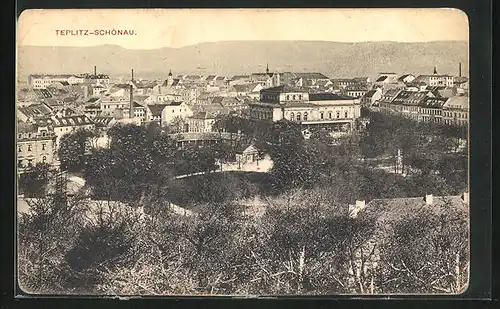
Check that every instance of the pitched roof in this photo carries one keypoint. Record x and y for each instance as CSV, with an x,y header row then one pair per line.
x,y
156,109
35,110
217,100
92,106
461,102
103,121
433,102
137,104
144,84
174,103
370,93
402,77
24,127
42,93
236,77
92,100
327,96
140,98
284,88
65,121
203,115
244,87
381,79
312,75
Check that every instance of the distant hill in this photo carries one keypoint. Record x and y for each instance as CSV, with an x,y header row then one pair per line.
x,y
239,57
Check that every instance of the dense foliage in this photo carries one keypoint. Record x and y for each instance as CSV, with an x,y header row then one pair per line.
x,y
301,242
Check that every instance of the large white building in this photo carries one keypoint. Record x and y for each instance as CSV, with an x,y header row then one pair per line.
x,y
308,109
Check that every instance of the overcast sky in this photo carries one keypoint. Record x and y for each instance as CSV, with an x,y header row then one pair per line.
x,y
156,28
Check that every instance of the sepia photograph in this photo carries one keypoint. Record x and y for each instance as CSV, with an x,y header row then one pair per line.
x,y
242,152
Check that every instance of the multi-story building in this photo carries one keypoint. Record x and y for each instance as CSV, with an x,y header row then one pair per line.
x,y
42,81
456,111
431,109
200,122
371,97
308,109
174,110
31,112
65,124
436,79
35,145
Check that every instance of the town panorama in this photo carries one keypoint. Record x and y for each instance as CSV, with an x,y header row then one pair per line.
x,y
265,183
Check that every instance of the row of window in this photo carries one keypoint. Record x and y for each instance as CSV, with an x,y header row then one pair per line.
x,y
455,115
305,115
20,147
294,97
20,162
30,135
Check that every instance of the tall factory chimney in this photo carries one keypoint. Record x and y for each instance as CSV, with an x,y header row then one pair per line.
x,y
460,69
132,75
95,70
131,104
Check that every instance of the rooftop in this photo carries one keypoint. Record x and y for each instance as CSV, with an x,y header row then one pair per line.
x,y
283,88
326,96
312,75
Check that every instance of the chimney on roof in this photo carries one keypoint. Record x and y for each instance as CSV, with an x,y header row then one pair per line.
x,y
465,197
460,69
428,199
131,104
95,70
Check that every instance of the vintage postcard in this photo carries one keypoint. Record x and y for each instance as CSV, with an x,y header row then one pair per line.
x,y
242,152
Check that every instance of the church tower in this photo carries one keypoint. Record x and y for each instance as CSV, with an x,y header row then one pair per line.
x,y
435,70
267,68
170,78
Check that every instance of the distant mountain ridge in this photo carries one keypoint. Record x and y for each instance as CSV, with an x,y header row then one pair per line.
x,y
334,59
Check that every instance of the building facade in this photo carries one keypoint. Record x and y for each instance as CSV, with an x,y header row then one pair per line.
x,y
297,105
34,145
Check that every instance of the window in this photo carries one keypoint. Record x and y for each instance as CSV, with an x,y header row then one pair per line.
x,y
20,135
29,147
338,115
294,97
330,115
300,97
44,158
29,135
20,163
305,116
321,115
44,133
292,116
345,114
43,146
298,117
20,148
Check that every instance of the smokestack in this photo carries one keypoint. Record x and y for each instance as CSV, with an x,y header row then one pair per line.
x,y
132,74
131,107
460,69
95,70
